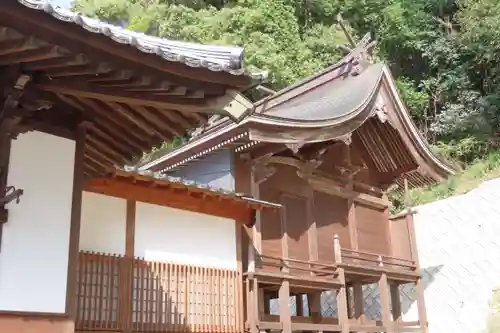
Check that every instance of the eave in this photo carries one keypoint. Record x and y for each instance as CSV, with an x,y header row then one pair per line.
x,y
177,193
416,162
133,92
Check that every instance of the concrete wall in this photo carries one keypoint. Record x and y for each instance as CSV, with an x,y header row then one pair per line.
x,y
459,249
215,170
35,240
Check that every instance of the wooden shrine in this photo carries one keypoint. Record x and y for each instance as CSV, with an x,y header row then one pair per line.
x,y
79,98
328,149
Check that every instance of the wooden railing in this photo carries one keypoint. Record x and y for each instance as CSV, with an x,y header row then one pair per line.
x,y
295,265
347,256
131,294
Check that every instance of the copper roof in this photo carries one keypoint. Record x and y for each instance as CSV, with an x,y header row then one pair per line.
x,y
352,96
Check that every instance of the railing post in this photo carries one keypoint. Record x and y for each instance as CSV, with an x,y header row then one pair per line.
x,y
337,249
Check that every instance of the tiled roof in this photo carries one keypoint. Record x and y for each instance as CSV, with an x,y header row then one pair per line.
x,y
190,185
212,57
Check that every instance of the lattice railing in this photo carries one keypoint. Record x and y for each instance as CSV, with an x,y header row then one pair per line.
x,y
118,293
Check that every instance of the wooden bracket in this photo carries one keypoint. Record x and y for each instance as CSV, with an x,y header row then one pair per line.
x,y
261,169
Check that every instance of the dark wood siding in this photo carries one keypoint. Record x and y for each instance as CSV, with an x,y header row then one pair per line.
x,y
271,222
297,224
330,214
400,238
372,225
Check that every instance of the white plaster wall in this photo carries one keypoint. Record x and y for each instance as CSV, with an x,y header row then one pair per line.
x,y
178,236
459,248
103,225
35,241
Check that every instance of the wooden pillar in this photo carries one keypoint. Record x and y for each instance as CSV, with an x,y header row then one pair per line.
x,y
130,229
351,205
396,303
76,212
284,301
5,144
359,302
422,314
314,304
126,270
299,305
342,310
252,287
383,286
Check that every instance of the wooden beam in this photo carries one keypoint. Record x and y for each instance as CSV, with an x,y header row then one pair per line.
x,y
232,103
169,197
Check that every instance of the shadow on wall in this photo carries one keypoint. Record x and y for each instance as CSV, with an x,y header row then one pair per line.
x,y
407,293
119,294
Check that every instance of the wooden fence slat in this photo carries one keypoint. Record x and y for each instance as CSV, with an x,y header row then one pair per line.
x,y
117,293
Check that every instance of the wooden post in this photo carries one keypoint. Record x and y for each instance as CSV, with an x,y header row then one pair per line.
x,y
337,249
299,305
383,286
76,212
396,303
422,314
252,304
284,305
314,304
5,144
342,311
126,270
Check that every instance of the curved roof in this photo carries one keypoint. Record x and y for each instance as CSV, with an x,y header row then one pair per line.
x,y
331,102
329,105
212,57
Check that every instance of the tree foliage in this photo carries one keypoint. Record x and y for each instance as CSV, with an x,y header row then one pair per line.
x,y
444,54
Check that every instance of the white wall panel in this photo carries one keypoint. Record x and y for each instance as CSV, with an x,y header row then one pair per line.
x,y
164,233
103,224
35,241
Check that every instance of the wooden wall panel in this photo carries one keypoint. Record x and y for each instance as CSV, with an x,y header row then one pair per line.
x,y
271,222
297,224
401,241
373,229
331,216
